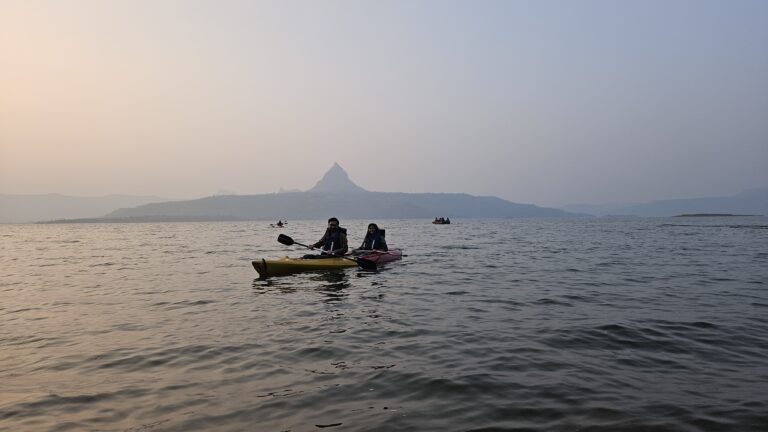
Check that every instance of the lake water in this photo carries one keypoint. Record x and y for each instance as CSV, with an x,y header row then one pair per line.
x,y
528,325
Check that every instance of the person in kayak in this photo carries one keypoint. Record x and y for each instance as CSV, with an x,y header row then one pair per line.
x,y
333,242
374,240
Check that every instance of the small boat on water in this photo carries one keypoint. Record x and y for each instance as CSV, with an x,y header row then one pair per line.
x,y
287,266
441,221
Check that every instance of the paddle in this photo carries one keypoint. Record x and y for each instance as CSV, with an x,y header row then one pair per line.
x,y
362,262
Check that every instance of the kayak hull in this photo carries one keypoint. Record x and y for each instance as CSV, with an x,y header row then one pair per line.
x,y
383,257
287,266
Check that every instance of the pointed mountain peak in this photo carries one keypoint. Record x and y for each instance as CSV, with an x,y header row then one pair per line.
x,y
336,180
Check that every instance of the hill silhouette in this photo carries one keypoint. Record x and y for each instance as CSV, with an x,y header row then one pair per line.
x,y
336,180
336,195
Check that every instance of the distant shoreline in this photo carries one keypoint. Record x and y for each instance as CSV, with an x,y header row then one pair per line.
x,y
225,218
713,215
145,219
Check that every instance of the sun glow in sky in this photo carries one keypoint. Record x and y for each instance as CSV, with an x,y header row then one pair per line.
x,y
546,102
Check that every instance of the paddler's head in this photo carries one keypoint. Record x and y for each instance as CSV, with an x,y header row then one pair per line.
x,y
372,228
333,224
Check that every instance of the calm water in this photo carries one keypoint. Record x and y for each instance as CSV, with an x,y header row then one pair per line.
x,y
535,325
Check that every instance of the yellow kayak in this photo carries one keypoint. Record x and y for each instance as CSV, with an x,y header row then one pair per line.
x,y
286,266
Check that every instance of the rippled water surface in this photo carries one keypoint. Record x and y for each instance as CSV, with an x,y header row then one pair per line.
x,y
536,325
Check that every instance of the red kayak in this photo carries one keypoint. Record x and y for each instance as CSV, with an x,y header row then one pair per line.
x,y
382,257
286,266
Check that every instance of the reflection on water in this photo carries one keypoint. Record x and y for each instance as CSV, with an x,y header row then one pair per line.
x,y
262,286
331,283
331,278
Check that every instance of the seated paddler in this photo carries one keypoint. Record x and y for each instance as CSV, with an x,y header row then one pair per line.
x,y
333,242
373,241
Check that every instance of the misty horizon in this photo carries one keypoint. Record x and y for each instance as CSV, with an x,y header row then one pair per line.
x,y
234,193
337,180
282,191
349,199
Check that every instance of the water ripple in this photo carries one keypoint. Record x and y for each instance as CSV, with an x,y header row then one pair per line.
x,y
487,325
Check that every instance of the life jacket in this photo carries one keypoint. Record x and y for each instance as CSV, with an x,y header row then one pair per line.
x,y
333,239
372,241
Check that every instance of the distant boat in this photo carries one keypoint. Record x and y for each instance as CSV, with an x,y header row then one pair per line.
x,y
441,221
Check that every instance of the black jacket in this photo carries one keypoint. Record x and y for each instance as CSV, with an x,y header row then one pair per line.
x,y
374,241
334,242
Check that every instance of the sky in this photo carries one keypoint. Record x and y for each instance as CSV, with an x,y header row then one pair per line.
x,y
541,101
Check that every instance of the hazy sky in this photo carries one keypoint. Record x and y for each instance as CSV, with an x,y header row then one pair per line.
x,y
545,102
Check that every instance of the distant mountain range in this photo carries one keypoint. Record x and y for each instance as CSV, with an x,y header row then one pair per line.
x,y
348,205
336,195
32,208
749,202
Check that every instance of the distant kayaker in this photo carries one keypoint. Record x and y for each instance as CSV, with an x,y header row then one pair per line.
x,y
280,223
333,242
374,240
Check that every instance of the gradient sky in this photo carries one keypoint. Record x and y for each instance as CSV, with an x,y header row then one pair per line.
x,y
545,102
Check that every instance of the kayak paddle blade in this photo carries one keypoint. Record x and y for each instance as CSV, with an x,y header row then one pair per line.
x,y
284,239
366,264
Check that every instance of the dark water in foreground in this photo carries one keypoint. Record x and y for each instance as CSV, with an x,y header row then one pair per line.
x,y
536,325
